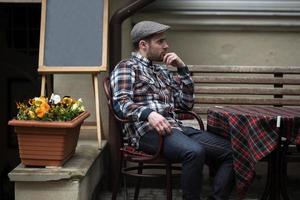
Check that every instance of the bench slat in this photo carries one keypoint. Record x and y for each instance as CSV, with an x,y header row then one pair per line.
x,y
245,69
246,80
246,101
201,110
252,91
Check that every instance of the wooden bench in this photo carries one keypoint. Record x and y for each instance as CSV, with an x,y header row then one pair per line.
x,y
245,85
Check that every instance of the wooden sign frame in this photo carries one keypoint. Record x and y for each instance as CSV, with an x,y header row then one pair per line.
x,y
93,70
73,69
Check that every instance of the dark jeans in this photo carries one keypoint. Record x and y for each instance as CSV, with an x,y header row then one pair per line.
x,y
194,148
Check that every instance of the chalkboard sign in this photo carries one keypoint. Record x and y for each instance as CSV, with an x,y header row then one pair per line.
x,y
73,36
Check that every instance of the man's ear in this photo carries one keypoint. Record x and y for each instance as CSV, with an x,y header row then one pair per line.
x,y
143,44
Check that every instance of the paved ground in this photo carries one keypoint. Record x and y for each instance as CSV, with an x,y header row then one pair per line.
x,y
255,191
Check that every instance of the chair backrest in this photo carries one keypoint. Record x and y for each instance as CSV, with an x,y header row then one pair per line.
x,y
107,90
116,136
108,94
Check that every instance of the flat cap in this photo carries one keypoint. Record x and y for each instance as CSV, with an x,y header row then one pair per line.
x,y
146,28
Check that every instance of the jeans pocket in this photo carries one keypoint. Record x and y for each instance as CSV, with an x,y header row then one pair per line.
x,y
188,131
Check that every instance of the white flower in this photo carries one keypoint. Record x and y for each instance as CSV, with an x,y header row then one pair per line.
x,y
78,105
74,106
55,98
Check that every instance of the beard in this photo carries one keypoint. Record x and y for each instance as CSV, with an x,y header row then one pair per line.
x,y
156,56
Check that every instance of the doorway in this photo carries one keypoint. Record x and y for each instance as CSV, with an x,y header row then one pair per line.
x,y
19,47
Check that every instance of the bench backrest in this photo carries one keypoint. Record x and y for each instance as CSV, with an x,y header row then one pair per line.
x,y
245,85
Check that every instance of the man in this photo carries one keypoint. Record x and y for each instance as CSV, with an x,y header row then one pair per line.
x,y
147,93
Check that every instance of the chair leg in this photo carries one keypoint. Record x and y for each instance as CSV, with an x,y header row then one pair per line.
x,y
125,182
169,181
138,183
125,188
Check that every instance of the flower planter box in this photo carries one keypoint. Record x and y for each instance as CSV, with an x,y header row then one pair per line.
x,y
44,143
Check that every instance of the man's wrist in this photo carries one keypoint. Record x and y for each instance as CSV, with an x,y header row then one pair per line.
x,y
145,114
183,70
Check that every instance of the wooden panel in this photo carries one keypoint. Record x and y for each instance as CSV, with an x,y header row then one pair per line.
x,y
245,69
239,90
246,101
245,85
245,80
203,110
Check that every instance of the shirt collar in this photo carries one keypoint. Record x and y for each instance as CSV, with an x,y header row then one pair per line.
x,y
141,59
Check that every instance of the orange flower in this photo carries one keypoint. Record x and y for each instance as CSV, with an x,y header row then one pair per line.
x,y
42,110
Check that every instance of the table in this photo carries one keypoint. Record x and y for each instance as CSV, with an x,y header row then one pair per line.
x,y
256,132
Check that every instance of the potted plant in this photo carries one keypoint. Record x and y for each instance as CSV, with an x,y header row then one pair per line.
x,y
48,129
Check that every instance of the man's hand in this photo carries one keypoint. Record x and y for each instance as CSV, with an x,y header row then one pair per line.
x,y
173,60
159,123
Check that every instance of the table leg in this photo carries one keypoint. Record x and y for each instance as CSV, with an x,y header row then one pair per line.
x,y
267,189
275,188
277,175
283,176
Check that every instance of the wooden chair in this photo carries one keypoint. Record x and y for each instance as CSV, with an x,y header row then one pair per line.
x,y
145,162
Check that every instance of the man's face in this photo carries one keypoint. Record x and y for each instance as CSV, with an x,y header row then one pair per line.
x,y
157,47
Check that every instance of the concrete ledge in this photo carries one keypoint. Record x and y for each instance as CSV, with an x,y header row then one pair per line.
x,y
76,180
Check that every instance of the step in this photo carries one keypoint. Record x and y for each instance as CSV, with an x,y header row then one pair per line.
x,y
76,180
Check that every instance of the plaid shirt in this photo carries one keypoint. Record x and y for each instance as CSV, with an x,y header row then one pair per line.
x,y
140,87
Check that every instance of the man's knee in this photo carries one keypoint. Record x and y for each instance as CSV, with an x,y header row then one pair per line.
x,y
228,154
196,152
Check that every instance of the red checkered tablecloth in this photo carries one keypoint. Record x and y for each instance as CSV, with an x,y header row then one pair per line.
x,y
253,134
